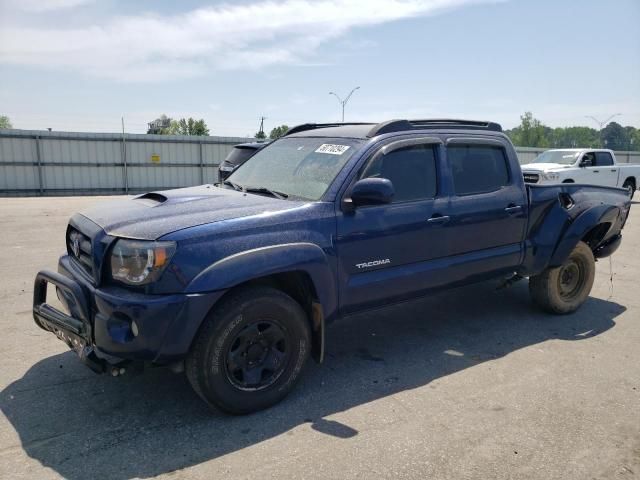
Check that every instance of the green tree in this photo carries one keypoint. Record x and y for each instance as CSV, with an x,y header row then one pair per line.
x,y
530,132
261,135
634,141
574,137
633,135
5,122
188,127
615,137
277,132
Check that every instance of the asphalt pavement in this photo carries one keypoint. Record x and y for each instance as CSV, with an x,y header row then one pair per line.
x,y
473,383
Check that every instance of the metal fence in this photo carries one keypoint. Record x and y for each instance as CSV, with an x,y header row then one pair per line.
x,y
65,163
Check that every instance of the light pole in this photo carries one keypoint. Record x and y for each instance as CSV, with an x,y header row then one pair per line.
x,y
602,124
343,102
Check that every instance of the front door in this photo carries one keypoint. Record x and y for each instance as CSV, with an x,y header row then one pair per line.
x,y
383,249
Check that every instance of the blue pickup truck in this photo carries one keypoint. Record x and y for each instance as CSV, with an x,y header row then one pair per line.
x,y
235,283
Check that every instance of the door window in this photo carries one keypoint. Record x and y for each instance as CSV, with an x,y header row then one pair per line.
x,y
603,159
589,157
411,170
477,168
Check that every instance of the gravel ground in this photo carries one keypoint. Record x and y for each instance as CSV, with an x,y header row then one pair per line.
x,y
473,383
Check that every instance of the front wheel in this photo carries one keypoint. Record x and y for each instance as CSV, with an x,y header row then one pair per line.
x,y
565,288
250,351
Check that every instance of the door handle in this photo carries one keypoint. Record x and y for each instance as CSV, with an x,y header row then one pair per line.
x,y
596,171
439,219
614,170
513,209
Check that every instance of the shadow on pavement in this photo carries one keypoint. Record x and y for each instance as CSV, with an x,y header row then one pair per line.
x,y
82,425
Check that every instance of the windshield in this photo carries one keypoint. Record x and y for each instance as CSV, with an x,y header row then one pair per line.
x,y
297,167
564,157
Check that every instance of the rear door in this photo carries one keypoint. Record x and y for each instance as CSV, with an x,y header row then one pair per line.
x,y
488,206
592,173
605,169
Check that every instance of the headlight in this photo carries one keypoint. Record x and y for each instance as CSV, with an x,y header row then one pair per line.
x,y
137,262
551,176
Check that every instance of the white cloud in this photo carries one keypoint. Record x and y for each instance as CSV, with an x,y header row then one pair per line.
x,y
248,36
38,6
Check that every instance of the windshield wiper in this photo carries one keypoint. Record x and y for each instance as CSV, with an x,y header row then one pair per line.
x,y
233,185
268,191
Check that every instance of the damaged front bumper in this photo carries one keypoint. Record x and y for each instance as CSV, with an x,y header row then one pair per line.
x,y
110,326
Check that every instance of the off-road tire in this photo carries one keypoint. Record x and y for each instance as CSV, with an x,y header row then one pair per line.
x,y
207,365
552,291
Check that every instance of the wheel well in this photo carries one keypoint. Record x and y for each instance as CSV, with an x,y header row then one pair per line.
x,y
297,284
632,180
568,180
596,234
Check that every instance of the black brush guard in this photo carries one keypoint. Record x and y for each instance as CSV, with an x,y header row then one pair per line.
x,y
75,328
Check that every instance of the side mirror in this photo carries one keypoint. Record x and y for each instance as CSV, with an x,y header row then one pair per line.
x,y
371,191
586,162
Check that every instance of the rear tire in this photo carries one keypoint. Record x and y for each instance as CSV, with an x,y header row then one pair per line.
x,y
630,185
250,351
564,289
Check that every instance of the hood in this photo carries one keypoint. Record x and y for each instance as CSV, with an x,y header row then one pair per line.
x,y
152,215
544,167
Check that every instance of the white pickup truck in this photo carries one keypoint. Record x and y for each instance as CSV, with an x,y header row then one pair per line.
x,y
582,165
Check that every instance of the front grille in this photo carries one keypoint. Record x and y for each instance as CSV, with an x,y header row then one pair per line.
x,y
531,177
79,248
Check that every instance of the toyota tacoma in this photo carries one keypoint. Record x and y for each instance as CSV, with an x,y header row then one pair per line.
x,y
235,283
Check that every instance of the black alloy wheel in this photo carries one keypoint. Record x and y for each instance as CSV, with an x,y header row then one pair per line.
x,y
257,355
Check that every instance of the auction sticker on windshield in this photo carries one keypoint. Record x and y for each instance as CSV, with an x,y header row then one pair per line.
x,y
332,149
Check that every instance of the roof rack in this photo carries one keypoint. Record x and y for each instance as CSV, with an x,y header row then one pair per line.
x,y
402,125
313,126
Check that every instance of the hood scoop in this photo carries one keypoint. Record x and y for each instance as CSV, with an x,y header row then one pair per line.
x,y
151,198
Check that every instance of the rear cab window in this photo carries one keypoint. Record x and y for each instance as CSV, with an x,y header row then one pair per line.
x,y
478,168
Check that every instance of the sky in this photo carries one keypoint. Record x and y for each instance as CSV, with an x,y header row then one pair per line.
x,y
82,65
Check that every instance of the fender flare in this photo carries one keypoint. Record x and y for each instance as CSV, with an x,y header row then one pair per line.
x,y
579,228
264,261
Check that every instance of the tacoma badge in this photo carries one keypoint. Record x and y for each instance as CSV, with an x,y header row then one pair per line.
x,y
373,263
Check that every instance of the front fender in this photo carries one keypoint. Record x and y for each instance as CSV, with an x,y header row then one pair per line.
x,y
260,262
580,227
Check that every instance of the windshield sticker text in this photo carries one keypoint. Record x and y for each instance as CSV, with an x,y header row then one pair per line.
x,y
332,149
